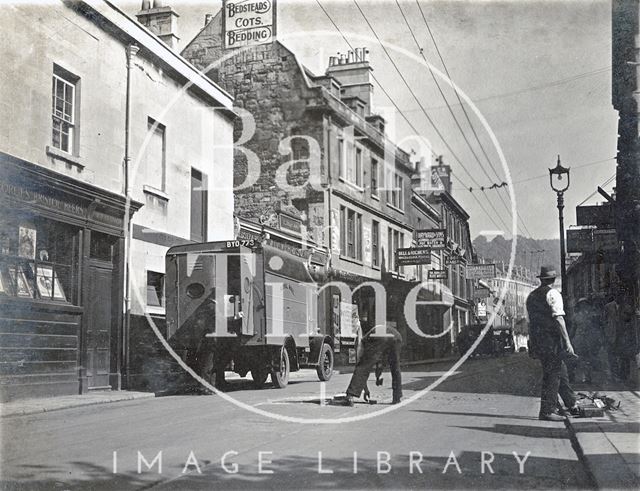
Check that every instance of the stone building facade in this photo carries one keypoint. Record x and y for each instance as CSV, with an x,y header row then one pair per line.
x,y
310,143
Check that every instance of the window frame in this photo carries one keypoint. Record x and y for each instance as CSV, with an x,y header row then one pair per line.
x,y
204,206
61,76
156,126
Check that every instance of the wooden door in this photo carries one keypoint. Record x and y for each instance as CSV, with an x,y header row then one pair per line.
x,y
99,322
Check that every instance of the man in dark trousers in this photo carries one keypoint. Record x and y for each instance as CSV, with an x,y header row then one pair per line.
x,y
550,344
380,344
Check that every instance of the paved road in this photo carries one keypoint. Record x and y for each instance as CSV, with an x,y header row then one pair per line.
x,y
489,405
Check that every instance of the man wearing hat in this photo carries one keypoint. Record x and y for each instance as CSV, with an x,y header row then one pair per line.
x,y
550,343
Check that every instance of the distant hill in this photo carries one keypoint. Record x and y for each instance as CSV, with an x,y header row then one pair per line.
x,y
499,250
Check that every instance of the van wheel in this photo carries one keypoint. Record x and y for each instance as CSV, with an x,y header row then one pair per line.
x,y
325,366
280,374
259,376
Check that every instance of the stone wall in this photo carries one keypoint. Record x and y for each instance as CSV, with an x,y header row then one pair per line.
x,y
270,90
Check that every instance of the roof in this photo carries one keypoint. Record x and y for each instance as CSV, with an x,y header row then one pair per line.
x,y
145,39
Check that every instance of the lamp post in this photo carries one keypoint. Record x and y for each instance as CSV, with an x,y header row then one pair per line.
x,y
556,177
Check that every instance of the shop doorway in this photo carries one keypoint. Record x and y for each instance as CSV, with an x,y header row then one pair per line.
x,y
99,322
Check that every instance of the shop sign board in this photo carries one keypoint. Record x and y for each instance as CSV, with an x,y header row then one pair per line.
x,y
432,238
601,216
605,240
450,260
413,255
481,292
249,22
437,274
482,309
480,271
580,240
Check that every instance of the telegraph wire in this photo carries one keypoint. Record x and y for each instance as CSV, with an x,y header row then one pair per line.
x,y
409,123
534,88
464,110
611,179
423,110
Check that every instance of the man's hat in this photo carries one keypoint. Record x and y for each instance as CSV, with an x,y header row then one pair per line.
x,y
547,272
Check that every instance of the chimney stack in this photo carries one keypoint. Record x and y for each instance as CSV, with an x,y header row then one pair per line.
x,y
160,20
354,74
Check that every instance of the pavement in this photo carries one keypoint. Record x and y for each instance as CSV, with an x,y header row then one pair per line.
x,y
24,407
609,446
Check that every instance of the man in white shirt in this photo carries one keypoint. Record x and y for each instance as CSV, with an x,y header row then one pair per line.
x,y
550,343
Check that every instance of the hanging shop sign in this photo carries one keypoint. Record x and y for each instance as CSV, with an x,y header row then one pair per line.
x,y
480,271
413,255
433,238
437,274
481,292
482,309
249,22
601,216
580,240
605,240
450,260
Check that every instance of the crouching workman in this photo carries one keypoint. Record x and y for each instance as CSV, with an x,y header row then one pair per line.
x,y
377,346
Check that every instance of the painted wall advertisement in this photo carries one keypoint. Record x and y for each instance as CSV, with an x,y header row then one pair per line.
x,y
249,22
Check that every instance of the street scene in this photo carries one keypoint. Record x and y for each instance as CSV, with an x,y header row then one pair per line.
x,y
334,243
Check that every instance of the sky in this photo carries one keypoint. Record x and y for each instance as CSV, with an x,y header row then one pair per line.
x,y
539,73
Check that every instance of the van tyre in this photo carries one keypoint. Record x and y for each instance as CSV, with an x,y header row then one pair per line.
x,y
259,376
280,373
325,364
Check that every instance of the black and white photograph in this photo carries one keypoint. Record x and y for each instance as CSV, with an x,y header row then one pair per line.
x,y
319,244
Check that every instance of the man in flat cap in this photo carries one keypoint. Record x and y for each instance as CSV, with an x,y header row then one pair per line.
x,y
550,343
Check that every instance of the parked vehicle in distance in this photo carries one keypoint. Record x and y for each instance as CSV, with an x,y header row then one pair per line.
x,y
497,341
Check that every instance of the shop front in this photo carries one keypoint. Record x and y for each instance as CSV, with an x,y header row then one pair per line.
x,y
61,283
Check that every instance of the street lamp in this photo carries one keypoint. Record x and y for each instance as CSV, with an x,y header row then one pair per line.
x,y
559,180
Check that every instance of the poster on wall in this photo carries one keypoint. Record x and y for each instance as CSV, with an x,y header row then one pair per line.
x,y
48,286
27,242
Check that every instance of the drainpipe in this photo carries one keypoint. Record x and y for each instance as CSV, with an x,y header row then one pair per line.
x,y
132,50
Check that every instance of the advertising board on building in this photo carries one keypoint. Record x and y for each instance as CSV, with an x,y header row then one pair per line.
x,y
579,240
602,216
433,238
249,22
480,271
450,260
413,255
605,240
481,292
437,274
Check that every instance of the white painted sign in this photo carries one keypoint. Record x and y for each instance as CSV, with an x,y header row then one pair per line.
x,y
249,22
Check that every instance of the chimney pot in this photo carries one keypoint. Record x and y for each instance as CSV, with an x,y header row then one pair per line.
x,y
146,4
350,57
365,54
207,18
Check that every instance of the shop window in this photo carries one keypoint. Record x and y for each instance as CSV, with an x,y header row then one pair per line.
x,y
64,109
38,259
155,289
